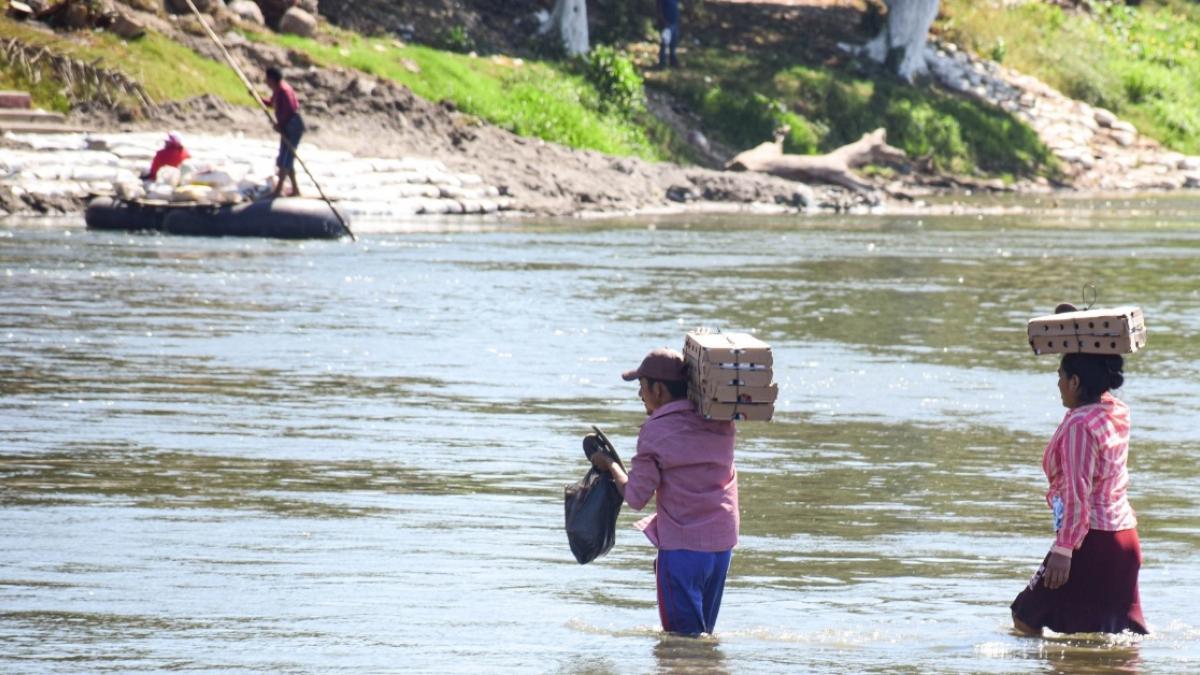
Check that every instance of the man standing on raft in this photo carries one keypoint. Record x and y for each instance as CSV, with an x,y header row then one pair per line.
x,y
686,462
290,126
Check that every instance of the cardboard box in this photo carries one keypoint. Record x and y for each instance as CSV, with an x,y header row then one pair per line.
x,y
1088,344
1116,321
730,376
726,348
735,394
748,412
1120,330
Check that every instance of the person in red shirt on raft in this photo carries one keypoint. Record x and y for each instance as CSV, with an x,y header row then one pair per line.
x,y
290,126
1088,582
172,153
686,463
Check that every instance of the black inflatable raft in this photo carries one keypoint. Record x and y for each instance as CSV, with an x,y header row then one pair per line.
x,y
277,218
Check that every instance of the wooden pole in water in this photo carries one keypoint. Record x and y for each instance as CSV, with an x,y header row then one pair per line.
x,y
254,95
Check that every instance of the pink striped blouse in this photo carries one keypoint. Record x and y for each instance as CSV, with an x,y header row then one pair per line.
x,y
1085,464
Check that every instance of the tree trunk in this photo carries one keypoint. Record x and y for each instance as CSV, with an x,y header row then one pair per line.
x,y
901,43
835,167
569,19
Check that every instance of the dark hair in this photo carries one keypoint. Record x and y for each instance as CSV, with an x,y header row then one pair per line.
x,y
1097,373
676,388
274,74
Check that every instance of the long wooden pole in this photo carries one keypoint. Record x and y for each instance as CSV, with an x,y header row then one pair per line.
x,y
261,106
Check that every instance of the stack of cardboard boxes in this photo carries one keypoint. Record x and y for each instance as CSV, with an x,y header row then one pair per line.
x,y
730,376
1121,330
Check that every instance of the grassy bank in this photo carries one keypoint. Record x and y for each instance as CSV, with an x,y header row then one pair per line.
x,y
168,70
742,98
551,100
1141,62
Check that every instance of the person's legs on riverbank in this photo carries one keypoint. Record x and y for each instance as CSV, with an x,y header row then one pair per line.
x,y
668,17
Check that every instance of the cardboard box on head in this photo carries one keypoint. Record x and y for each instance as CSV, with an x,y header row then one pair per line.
x,y
1089,344
1121,330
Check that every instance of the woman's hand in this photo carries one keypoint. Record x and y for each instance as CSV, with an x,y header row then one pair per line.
x,y
1058,570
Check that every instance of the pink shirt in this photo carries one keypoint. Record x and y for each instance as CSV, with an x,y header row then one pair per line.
x,y
285,102
686,463
1085,464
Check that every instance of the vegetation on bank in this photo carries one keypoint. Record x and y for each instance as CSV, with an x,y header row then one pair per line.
x,y
742,98
1142,62
593,104
168,70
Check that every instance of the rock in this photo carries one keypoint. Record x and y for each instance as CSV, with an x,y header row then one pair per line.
x,y
1104,118
803,197
959,84
296,21
247,11
310,6
20,10
1170,160
127,28
273,10
151,6
1191,179
1189,164
681,193
1124,126
76,16
698,140
181,6
362,87
1124,138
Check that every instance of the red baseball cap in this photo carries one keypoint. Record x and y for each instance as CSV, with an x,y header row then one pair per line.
x,y
661,364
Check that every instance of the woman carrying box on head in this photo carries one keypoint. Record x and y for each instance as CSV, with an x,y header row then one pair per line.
x,y
1088,582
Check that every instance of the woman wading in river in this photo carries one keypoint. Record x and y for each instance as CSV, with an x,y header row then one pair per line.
x,y
1088,583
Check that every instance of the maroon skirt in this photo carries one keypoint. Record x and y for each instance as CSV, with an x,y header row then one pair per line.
x,y
1101,593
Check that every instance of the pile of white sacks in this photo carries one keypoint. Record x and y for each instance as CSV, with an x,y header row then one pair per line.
x,y
230,169
1096,149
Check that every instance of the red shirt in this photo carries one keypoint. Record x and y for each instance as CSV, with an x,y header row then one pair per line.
x,y
171,155
686,463
285,102
1085,463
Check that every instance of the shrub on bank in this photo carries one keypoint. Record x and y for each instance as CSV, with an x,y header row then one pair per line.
x,y
829,107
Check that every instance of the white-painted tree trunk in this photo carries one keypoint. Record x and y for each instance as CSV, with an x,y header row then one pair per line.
x,y
569,19
907,29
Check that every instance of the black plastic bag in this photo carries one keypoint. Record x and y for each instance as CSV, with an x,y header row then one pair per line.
x,y
593,504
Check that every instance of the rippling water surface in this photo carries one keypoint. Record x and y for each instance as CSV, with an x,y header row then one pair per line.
x,y
261,456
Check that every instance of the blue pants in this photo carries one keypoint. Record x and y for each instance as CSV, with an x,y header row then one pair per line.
x,y
690,586
292,131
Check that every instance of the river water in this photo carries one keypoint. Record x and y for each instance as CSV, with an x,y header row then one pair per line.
x,y
263,456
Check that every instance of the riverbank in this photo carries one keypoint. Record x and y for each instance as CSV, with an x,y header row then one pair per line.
x,y
996,118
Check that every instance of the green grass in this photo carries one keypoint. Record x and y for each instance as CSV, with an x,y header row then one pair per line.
x,y
547,100
1141,62
743,98
169,71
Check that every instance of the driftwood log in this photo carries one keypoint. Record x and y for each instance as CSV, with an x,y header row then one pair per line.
x,y
836,167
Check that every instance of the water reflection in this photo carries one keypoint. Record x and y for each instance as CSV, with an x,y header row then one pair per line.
x,y
675,655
